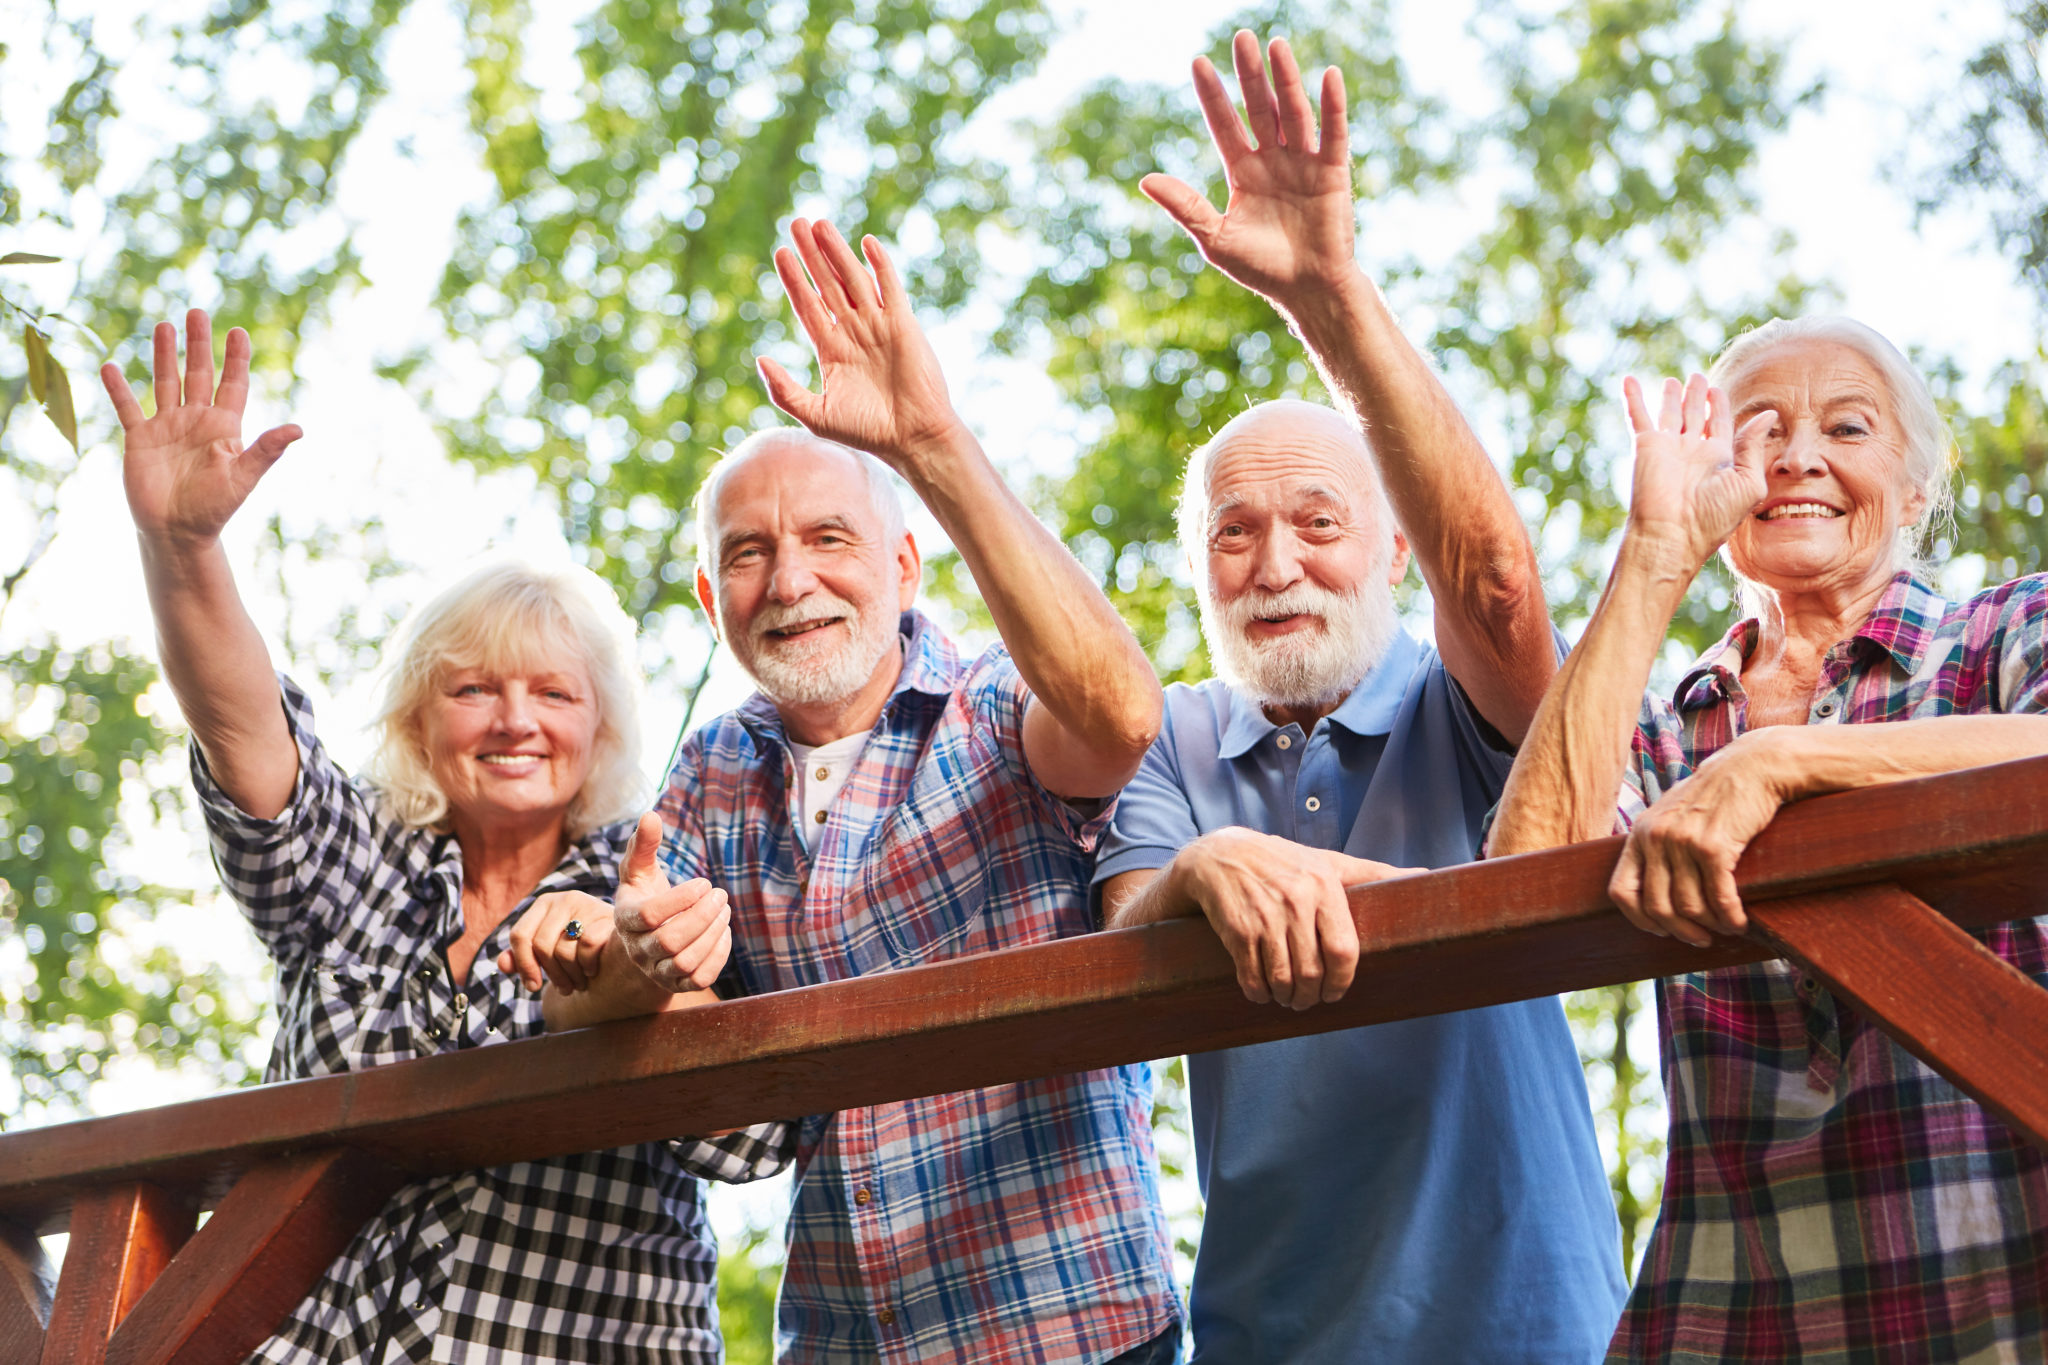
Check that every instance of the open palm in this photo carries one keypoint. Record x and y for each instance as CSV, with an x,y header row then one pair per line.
x,y
185,468
1696,477
883,390
1289,223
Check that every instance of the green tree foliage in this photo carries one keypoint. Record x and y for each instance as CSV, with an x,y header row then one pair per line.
x,y
619,275
1996,149
1620,150
76,739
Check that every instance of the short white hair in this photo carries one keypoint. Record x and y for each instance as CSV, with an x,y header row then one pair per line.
x,y
503,617
881,484
1192,515
1929,449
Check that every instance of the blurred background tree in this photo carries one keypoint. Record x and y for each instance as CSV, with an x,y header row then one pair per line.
x,y
1572,216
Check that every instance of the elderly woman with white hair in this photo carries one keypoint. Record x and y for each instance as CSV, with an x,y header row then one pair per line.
x,y
1827,1196
418,909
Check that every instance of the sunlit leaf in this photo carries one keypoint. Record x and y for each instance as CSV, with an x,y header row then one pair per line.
x,y
59,404
27,258
38,348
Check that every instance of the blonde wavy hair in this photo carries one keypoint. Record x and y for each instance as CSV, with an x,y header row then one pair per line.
x,y
508,617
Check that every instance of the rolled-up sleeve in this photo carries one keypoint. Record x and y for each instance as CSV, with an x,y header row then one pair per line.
x,y
295,875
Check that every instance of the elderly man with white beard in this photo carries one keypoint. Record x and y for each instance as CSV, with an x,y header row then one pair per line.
x,y
882,802
1423,1191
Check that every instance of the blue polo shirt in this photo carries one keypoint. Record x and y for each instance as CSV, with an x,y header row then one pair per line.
x,y
1428,1190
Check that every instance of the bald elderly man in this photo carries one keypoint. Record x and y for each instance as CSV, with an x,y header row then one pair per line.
x,y
880,803
1423,1191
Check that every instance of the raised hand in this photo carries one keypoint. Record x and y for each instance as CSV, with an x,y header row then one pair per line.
x,y
1289,225
678,936
1696,476
185,469
883,392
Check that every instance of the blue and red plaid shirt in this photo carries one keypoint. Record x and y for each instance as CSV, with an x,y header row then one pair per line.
x,y
1017,1222
1827,1197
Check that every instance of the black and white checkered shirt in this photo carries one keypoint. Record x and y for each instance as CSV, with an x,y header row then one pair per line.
x,y
600,1257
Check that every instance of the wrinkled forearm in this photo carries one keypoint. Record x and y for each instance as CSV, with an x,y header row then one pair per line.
x,y
620,993
219,670
1570,767
1810,760
1492,624
1077,656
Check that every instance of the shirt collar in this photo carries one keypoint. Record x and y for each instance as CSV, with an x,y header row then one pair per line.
x,y
929,665
1371,709
1901,622
1898,624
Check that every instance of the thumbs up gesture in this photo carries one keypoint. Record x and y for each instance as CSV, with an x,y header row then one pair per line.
x,y
678,936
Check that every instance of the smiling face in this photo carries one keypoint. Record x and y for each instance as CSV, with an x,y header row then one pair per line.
x,y
1297,583
809,586
510,745
1838,489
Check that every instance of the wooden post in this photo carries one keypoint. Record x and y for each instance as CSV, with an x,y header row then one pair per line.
x,y
27,1284
1940,994
122,1236
280,1226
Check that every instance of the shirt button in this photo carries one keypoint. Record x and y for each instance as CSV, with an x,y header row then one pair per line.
x,y
1808,984
1285,742
819,817
1827,708
887,1317
862,1195
824,773
1313,804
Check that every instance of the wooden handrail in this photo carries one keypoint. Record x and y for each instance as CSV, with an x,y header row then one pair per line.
x,y
1973,844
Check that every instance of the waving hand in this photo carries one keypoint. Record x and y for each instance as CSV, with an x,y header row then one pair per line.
x,y
1696,477
185,468
883,392
1289,225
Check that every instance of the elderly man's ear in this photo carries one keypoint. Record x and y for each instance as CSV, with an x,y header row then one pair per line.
x,y
708,599
1397,569
909,572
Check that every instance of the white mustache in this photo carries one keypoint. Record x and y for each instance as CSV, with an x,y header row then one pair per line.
x,y
816,608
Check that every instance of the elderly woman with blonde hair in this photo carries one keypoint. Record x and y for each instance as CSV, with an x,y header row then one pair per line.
x,y
420,908
1827,1196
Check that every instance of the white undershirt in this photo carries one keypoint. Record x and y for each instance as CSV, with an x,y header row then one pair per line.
x,y
820,773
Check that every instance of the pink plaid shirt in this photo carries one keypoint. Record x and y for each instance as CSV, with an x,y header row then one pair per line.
x,y
1827,1197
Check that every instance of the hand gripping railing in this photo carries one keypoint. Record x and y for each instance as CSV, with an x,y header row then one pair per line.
x,y
1866,890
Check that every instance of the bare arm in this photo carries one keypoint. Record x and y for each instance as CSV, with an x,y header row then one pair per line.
x,y
1279,908
1693,483
1289,233
1095,701
186,472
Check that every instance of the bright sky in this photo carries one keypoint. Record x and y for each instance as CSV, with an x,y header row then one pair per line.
x,y
368,450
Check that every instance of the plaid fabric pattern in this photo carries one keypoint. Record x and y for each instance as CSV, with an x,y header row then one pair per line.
x,y
1011,1223
1827,1197
598,1257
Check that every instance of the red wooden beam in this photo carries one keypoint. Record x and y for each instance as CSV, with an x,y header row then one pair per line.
x,y
263,1249
122,1236
1974,844
27,1285
1945,997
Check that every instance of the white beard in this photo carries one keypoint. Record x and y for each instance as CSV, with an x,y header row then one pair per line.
x,y
1310,668
809,673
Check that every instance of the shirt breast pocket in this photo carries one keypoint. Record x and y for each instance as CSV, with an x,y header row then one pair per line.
x,y
927,883
333,1025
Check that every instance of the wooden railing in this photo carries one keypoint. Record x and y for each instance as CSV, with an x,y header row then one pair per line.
x,y
1865,889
